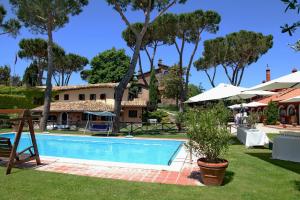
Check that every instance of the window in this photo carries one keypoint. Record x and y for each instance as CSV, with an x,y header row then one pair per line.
x,y
56,98
81,97
66,97
132,113
92,96
103,96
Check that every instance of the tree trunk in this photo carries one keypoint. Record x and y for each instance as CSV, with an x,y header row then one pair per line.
x,y
187,76
142,73
62,78
181,96
119,90
48,89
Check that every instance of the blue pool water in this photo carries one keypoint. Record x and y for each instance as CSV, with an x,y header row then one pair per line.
x,y
155,152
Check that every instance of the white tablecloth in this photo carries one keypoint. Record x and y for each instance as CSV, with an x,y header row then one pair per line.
x,y
252,137
286,147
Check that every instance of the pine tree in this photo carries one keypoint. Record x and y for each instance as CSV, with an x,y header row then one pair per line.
x,y
153,91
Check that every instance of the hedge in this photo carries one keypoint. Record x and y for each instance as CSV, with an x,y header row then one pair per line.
x,y
15,101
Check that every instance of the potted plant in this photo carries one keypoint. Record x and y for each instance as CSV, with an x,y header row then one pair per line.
x,y
209,138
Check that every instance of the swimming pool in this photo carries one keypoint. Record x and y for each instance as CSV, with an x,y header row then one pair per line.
x,y
140,151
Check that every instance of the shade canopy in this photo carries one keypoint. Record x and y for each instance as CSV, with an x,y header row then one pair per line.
x,y
292,100
248,94
288,81
222,91
101,114
255,104
237,106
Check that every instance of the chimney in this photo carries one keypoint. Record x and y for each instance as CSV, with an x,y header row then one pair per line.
x,y
268,74
294,70
160,61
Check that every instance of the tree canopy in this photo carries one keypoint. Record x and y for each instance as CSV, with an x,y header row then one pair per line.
x,y
153,91
291,5
170,82
30,78
187,29
108,66
194,90
233,53
44,17
35,14
4,75
11,26
36,51
66,65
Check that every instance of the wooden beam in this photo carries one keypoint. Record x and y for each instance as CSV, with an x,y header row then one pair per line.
x,y
15,146
33,139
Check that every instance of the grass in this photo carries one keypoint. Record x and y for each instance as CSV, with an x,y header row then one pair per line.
x,y
251,175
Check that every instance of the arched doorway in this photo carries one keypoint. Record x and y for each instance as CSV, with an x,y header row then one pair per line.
x,y
64,118
291,111
282,114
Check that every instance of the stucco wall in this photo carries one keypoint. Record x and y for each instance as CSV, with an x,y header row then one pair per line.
x,y
74,94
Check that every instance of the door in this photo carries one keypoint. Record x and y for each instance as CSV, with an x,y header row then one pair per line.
x,y
64,118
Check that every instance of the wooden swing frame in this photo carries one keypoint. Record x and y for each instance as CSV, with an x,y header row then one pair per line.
x,y
24,116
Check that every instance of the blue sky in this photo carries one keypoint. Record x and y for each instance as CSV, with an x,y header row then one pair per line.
x,y
99,28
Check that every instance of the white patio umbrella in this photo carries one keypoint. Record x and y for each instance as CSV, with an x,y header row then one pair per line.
x,y
237,106
292,100
222,91
288,81
255,104
248,94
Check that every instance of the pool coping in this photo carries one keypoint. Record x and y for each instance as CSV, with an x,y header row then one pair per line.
x,y
176,165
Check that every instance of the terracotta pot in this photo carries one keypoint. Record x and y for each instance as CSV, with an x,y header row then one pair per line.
x,y
212,174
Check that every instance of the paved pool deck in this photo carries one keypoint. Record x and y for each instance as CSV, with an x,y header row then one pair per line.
x,y
188,175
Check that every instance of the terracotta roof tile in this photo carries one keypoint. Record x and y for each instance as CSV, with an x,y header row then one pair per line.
x,y
87,86
282,95
80,106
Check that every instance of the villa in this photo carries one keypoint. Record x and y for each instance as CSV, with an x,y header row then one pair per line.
x,y
72,102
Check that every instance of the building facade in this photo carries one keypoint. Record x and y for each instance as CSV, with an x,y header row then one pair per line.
x,y
71,102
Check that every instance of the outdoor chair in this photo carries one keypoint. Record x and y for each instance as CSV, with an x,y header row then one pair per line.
x,y
6,148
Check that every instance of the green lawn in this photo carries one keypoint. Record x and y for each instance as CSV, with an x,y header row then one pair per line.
x,y
251,175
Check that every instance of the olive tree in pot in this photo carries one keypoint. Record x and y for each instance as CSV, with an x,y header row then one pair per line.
x,y
209,138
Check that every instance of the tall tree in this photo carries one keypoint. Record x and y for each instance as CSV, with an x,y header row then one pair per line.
x,y
4,75
108,66
155,36
30,77
36,51
234,53
194,90
65,65
170,82
147,7
291,5
153,91
11,26
44,17
189,29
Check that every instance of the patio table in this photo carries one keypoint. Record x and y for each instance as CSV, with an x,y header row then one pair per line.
x,y
287,147
252,137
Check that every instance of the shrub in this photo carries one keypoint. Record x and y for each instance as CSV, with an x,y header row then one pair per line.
x,y
160,115
272,113
252,119
207,132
